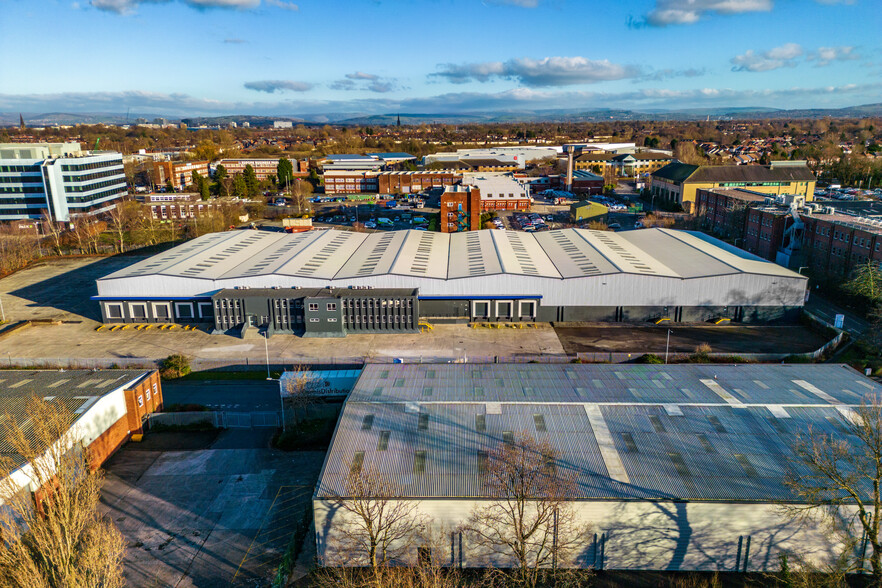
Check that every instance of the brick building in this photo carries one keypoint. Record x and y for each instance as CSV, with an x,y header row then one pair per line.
x,y
412,182
832,240
460,209
350,182
182,206
263,168
180,173
500,192
109,406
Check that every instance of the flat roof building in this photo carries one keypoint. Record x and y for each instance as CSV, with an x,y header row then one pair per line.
x,y
561,275
59,180
685,461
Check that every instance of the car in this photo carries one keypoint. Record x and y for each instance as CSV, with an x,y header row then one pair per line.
x,y
370,225
614,226
550,217
397,219
420,229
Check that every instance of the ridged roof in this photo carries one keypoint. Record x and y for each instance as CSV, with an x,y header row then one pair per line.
x,y
343,255
699,432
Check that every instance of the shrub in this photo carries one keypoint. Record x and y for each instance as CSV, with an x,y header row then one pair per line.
x,y
174,366
649,358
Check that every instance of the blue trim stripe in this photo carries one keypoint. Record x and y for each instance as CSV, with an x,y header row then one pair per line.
x,y
476,297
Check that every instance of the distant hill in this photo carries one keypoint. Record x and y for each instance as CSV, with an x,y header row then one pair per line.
x,y
366,119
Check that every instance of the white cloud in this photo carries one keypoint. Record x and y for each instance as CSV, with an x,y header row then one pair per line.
x,y
825,55
129,6
521,3
549,71
359,81
360,75
783,56
514,100
678,12
283,5
271,86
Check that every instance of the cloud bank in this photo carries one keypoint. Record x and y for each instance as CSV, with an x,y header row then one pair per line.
x,y
537,73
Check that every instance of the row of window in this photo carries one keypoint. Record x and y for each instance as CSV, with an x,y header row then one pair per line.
x,y
23,190
21,180
94,176
74,167
20,168
76,189
97,196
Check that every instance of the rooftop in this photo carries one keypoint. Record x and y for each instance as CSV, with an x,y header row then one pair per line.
x,y
694,432
77,390
344,255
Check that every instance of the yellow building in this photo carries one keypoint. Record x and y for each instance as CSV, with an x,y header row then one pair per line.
x,y
678,182
624,165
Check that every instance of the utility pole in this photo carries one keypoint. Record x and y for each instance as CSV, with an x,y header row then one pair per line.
x,y
667,346
266,349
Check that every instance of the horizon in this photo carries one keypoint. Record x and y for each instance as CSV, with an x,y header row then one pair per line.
x,y
210,58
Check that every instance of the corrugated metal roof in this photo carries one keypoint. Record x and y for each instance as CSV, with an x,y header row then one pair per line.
x,y
75,389
626,431
342,255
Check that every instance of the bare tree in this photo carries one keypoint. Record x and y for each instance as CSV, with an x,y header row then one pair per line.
x,y
838,479
299,391
377,526
529,516
53,230
55,537
122,218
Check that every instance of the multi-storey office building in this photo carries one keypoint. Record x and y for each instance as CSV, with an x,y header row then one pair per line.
x,y
263,168
179,173
58,179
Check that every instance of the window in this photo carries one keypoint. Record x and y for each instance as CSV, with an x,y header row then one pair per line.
x,y
332,306
507,437
115,310
383,441
313,306
480,422
419,462
332,320
357,462
423,422
482,462
539,421
313,320
367,422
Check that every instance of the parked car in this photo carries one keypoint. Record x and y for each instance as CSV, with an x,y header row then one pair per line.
x,y
370,225
614,226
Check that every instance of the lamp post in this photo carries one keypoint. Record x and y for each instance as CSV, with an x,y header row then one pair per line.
x,y
667,345
799,271
266,349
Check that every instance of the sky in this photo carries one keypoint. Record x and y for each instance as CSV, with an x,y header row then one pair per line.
x,y
278,57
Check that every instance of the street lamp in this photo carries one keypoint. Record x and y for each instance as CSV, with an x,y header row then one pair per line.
x,y
667,346
266,349
799,271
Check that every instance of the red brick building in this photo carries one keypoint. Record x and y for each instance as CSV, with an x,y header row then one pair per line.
x,y
263,168
413,182
180,173
109,406
460,209
350,182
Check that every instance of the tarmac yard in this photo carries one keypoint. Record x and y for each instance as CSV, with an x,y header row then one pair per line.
x,y
734,339
60,290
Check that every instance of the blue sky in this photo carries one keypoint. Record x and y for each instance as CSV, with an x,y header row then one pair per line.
x,y
214,57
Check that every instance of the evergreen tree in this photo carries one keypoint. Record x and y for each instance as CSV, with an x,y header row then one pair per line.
x,y
285,172
240,188
252,184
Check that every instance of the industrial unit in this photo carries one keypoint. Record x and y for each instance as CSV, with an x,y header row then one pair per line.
x,y
109,406
678,467
237,279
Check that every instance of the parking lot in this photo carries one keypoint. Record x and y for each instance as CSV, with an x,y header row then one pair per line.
x,y
217,515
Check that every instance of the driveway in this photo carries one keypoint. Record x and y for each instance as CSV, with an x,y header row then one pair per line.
x,y
216,516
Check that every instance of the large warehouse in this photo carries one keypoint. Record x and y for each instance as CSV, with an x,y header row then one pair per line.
x,y
677,467
330,283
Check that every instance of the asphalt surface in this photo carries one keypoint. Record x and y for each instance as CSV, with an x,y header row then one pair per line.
x,y
827,310
232,395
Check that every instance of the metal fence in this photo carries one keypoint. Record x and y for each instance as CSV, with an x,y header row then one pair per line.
x,y
216,418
